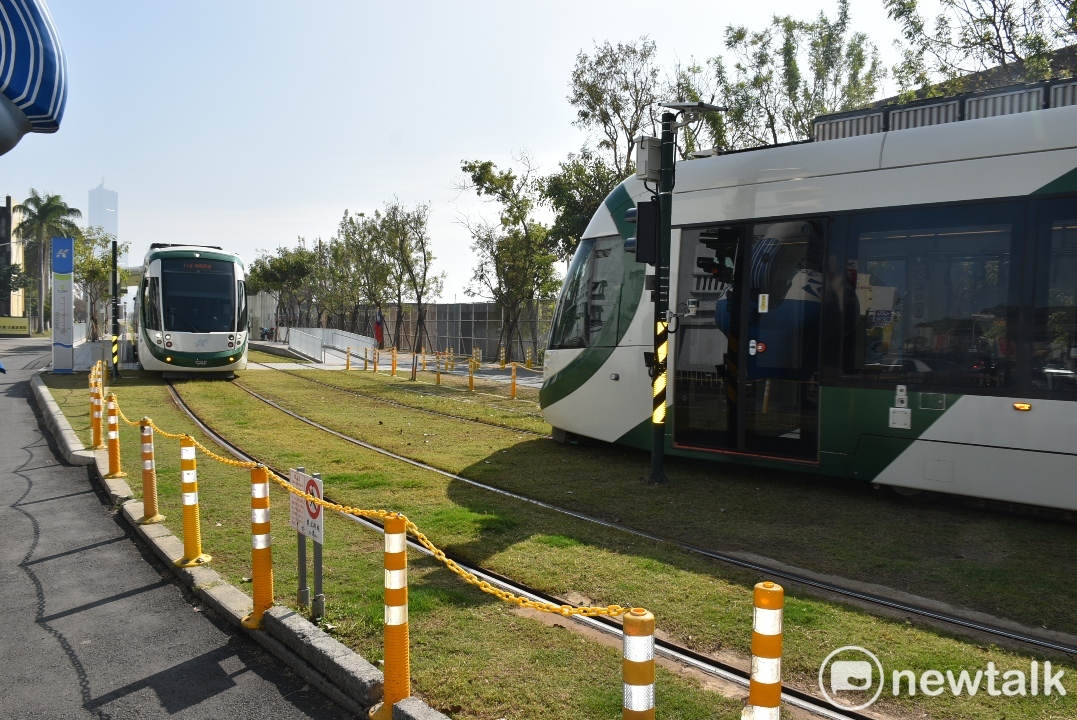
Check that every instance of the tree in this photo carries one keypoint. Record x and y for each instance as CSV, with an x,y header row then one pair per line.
x,y
44,217
411,259
615,93
13,279
781,78
93,271
515,258
575,193
976,44
287,275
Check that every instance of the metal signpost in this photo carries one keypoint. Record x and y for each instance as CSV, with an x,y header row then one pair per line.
x,y
308,520
63,305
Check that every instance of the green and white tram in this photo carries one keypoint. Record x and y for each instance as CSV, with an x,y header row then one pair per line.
x,y
192,306
894,301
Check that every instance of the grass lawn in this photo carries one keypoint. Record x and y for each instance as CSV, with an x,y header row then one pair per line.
x,y
490,403
473,656
979,560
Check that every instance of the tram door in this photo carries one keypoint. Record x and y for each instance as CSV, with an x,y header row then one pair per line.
x,y
747,362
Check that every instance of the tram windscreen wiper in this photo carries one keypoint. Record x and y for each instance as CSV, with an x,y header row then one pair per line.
x,y
188,323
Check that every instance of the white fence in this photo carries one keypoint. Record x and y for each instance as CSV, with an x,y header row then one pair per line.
x,y
339,339
306,344
80,333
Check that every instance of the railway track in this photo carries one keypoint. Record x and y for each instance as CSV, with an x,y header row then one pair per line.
x,y
405,406
671,651
867,598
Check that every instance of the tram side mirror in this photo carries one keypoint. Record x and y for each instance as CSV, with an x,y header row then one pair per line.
x,y
645,244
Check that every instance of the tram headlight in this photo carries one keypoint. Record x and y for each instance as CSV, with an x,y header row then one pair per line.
x,y
168,337
168,359
231,344
168,344
231,359
231,337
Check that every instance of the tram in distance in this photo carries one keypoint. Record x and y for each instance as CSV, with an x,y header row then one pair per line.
x,y
192,310
894,301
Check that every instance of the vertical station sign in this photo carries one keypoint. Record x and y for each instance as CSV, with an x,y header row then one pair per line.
x,y
63,305
306,517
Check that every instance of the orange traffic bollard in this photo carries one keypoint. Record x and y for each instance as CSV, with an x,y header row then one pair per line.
x,y
150,513
765,688
397,683
192,524
637,666
114,468
261,548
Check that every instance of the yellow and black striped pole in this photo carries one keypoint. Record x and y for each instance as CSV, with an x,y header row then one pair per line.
x,y
659,380
116,353
261,548
192,523
150,513
397,683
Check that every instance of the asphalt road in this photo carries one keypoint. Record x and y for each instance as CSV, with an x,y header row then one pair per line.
x,y
93,626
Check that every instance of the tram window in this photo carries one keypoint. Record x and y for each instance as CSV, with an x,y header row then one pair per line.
x,y
151,310
241,314
1054,342
935,300
590,297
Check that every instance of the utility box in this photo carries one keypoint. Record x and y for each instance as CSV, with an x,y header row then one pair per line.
x,y
648,159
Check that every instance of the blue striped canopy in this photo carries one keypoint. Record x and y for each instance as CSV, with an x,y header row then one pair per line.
x,y
33,70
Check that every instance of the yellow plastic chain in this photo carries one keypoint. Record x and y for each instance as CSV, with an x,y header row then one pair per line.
x,y
468,577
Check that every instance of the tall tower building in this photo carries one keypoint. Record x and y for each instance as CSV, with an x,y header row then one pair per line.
x,y
104,212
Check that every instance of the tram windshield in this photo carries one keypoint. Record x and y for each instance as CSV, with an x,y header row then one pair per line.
x,y
198,295
590,296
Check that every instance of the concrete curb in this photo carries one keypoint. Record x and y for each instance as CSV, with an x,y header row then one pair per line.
x,y
70,446
340,673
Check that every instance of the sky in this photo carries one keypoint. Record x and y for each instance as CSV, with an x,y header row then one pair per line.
x,y
250,124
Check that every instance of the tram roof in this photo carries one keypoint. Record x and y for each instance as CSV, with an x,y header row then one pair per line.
x,y
1013,134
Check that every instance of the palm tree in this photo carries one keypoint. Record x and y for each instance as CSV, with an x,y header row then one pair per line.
x,y
44,217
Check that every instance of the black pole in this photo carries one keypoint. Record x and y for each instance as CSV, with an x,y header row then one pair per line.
x,y
661,302
115,315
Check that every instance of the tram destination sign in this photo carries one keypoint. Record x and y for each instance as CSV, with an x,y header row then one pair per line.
x,y
306,517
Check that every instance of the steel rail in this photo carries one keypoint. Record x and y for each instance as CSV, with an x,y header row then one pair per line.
x,y
840,590
673,651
